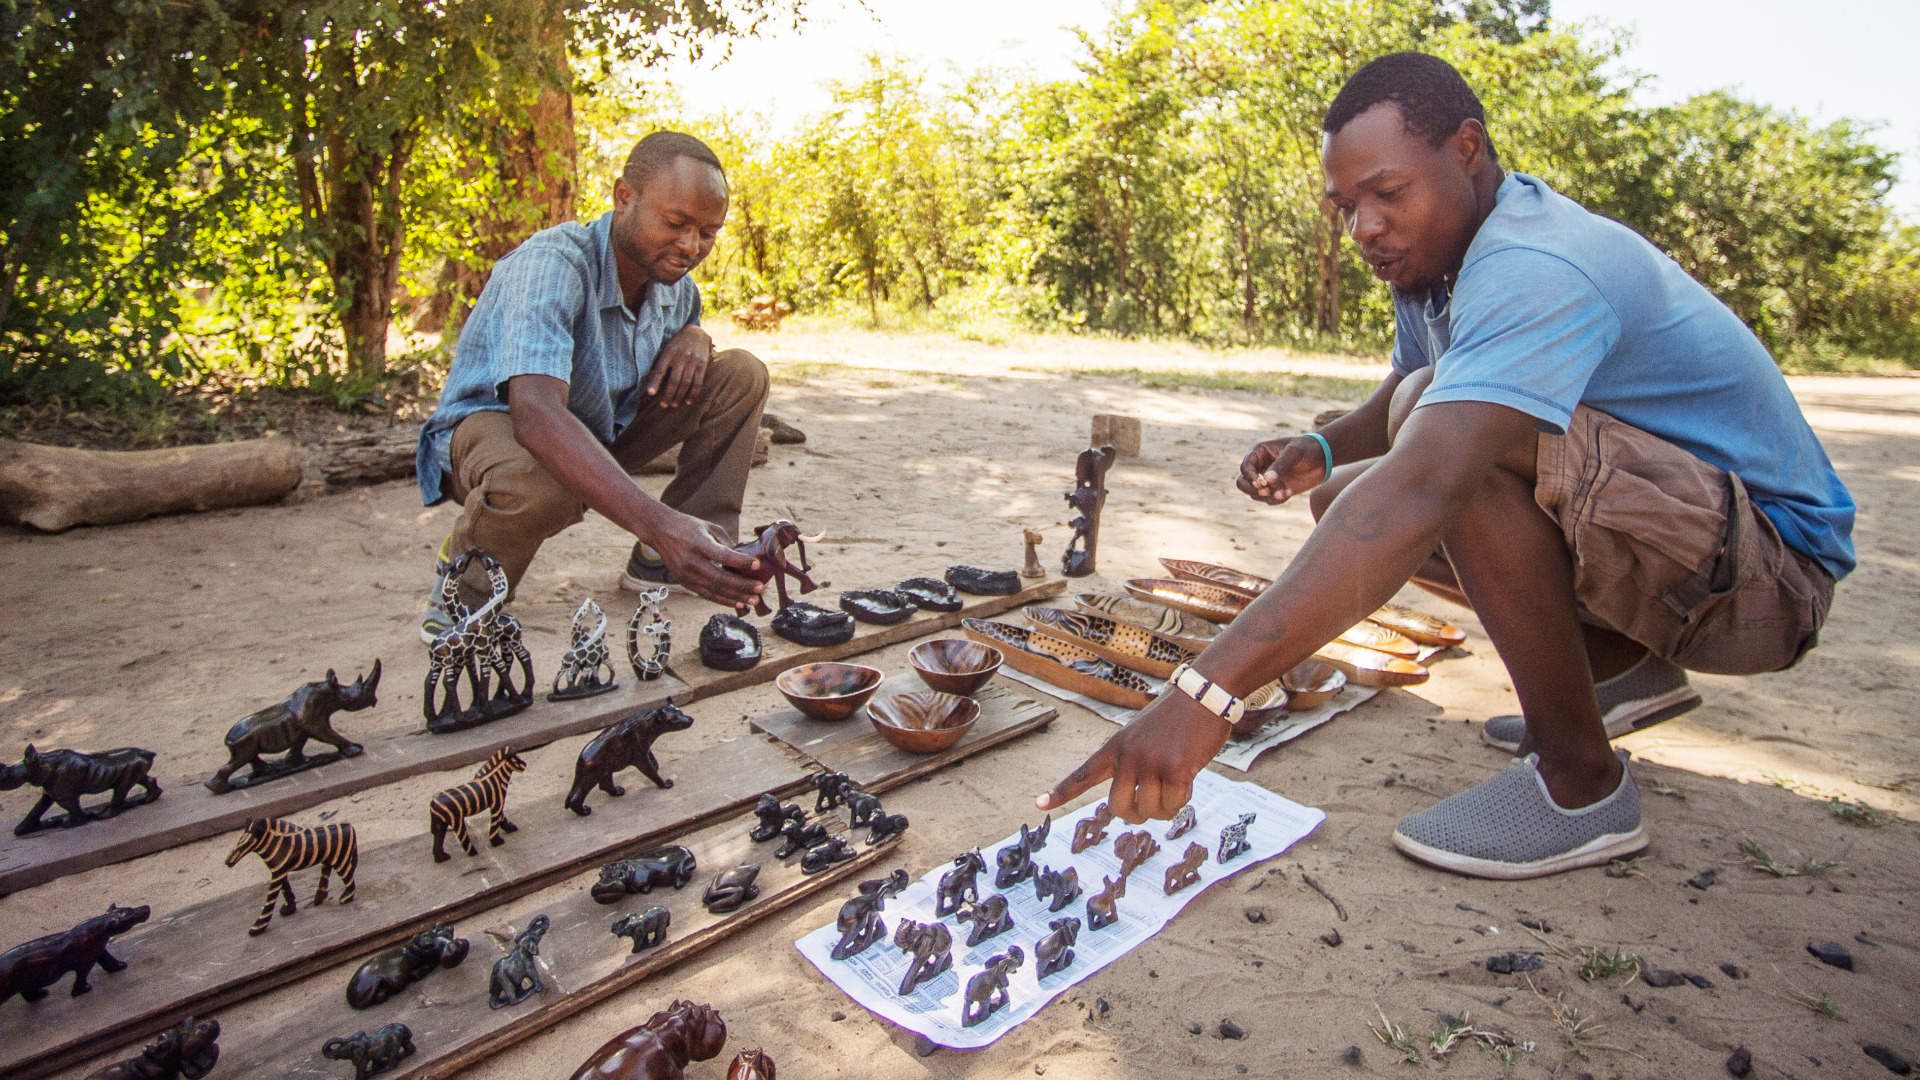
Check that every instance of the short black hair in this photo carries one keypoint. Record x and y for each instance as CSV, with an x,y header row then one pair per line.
x,y
1433,98
657,152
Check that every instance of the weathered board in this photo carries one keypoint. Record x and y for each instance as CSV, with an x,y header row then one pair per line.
x,y
1007,710
188,812
581,963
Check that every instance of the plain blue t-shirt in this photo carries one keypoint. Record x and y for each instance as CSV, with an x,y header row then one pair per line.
x,y
1555,307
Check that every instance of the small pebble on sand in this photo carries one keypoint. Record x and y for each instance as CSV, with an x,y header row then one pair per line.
x,y
1331,939
1256,915
1740,1062
1231,1030
1833,954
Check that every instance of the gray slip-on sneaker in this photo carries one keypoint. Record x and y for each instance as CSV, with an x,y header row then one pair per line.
x,y
647,570
1648,693
1508,827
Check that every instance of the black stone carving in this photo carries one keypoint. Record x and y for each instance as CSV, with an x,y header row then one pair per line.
x,y
63,776
972,579
374,1053
732,888
811,625
29,969
830,790
729,643
957,886
1015,861
929,594
800,837
859,922
647,929
667,867
835,850
881,607
773,818
626,744
885,827
862,809
1088,496
485,644
516,976
286,727
390,972
187,1049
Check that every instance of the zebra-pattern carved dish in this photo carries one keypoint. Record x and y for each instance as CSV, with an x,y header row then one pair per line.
x,y
1129,646
1190,631
1313,683
1418,626
1210,602
1369,635
1069,667
1364,667
1238,582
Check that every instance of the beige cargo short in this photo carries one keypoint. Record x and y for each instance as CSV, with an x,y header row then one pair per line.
x,y
1670,551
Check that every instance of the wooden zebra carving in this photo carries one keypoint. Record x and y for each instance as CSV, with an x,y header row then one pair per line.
x,y
285,848
487,791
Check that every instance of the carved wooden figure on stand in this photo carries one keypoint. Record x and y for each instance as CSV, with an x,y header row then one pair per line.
x,y
579,675
987,990
285,848
29,969
485,793
63,776
286,728
1182,823
516,976
660,1048
859,921
1088,496
390,972
770,547
1033,569
957,885
626,744
1233,839
189,1048
649,636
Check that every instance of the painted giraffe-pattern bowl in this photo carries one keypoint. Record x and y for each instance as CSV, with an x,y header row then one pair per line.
x,y
1238,582
1067,666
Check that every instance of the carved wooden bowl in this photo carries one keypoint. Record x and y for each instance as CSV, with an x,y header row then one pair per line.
x,y
952,666
1210,602
924,722
1312,683
829,691
1419,626
1238,582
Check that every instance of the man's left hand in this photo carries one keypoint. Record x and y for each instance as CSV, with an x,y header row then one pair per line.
x,y
681,367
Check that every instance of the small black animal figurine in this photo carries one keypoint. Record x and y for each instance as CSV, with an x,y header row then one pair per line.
x,y
931,944
1062,886
286,727
859,922
957,885
64,775
1016,859
987,990
1054,953
732,888
1103,909
835,850
729,643
285,848
1088,496
769,545
390,972
484,643
990,918
649,636
29,969
626,744
374,1053
881,607
1133,849
773,818
187,1049
885,827
811,625
800,837
1091,830
862,808
1233,839
929,594
485,793
668,866
1182,823
972,579
1187,870
647,929
831,789
586,657
516,976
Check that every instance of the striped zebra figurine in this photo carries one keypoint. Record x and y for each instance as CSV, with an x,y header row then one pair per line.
x,y
285,848
487,791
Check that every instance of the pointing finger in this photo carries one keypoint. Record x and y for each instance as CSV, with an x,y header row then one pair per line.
x,y
1095,769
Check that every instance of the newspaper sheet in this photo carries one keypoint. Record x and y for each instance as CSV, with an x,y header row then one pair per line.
x,y
872,978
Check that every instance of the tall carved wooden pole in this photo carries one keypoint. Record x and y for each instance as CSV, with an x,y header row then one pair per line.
x,y
1088,496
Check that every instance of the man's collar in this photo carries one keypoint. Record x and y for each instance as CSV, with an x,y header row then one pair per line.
x,y
611,295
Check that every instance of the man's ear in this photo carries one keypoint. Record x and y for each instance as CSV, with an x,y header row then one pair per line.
x,y
1472,144
623,192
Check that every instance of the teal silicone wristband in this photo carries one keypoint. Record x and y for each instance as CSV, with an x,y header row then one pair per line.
x,y
1326,453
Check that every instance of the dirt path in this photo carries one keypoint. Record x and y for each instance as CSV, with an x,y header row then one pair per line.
x,y
161,633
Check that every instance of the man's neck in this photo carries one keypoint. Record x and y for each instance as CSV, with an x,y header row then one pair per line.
x,y
634,282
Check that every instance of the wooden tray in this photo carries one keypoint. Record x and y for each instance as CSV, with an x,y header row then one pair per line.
x,y
1210,602
1364,667
1187,630
1069,667
1369,635
1129,646
1238,582
1419,626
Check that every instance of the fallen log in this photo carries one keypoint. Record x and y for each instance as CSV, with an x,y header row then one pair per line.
x,y
367,457
56,487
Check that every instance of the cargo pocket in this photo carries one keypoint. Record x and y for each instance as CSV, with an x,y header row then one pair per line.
x,y
1760,612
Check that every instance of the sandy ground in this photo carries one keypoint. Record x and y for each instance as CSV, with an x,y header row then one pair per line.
x,y
161,633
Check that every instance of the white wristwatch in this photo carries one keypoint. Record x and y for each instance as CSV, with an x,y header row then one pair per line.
x,y
1211,696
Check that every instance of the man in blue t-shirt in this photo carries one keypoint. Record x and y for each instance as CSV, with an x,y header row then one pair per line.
x,y
1577,441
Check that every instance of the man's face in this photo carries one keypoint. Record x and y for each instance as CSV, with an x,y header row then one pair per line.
x,y
670,227
1410,205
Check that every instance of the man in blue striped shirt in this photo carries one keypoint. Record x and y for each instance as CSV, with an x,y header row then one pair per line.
x,y
583,360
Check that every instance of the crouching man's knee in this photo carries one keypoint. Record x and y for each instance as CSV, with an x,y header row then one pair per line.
x,y
737,374
1406,398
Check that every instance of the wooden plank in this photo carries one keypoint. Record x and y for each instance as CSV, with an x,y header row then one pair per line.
x,y
581,962
1008,710
188,812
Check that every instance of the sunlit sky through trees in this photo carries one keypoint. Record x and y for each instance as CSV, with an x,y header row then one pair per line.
x,y
1839,58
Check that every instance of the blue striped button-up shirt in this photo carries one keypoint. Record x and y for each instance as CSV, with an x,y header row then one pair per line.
x,y
553,307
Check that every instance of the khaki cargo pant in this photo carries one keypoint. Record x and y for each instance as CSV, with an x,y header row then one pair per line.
x,y
510,504
1669,550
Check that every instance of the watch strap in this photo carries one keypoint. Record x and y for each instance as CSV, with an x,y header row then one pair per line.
x,y
1211,696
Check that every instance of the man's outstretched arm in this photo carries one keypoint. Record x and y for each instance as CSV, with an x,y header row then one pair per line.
x,y
1368,545
564,447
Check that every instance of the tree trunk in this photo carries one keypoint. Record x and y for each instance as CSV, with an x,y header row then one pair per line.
x,y
368,234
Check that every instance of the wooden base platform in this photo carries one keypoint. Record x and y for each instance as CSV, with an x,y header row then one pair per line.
x,y
188,812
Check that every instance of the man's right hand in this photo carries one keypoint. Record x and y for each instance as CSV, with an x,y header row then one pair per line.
x,y
1276,471
698,557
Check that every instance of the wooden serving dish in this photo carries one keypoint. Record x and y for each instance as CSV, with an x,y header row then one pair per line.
x,y
1069,667
952,666
925,721
1370,635
1418,626
1129,646
1210,602
1364,667
829,691
1238,582
1313,683
1189,631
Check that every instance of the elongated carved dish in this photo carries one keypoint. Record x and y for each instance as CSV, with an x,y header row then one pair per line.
x,y
1069,667
1364,667
1369,635
1418,626
1129,646
1190,631
1238,582
1210,602
1312,684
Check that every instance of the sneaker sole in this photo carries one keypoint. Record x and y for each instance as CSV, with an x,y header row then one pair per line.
x,y
1598,851
1640,716
639,585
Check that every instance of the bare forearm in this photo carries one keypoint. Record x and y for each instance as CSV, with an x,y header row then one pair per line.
x,y
566,449
1362,433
